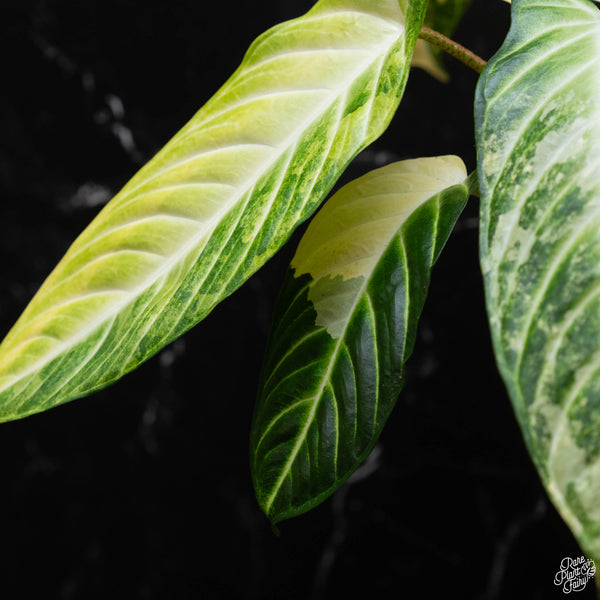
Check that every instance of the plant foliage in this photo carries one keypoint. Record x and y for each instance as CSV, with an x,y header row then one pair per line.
x,y
214,204
344,327
538,138
258,159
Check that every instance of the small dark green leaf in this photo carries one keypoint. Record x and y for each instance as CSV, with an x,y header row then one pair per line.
x,y
538,140
443,16
345,325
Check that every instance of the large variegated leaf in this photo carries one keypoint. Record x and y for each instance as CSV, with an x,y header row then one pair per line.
x,y
344,326
215,203
538,138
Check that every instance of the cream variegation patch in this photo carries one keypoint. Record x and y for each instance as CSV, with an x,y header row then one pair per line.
x,y
345,241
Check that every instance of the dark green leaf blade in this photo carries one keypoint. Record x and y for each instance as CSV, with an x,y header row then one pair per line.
x,y
211,207
345,325
538,141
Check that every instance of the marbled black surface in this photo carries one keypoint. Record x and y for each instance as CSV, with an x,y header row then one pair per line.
x,y
142,491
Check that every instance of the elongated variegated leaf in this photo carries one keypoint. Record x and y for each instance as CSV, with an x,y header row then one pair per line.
x,y
344,326
215,203
538,138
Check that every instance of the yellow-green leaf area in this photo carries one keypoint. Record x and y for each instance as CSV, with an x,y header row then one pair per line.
x,y
215,203
344,242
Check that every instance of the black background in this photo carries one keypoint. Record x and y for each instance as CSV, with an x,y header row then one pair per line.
x,y
143,491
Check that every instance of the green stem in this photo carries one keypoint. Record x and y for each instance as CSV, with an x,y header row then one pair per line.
x,y
453,48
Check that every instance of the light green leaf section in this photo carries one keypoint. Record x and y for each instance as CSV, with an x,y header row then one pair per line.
x,y
211,207
345,325
538,140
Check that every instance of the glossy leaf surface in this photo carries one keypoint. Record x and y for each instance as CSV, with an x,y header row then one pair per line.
x,y
344,326
211,207
538,138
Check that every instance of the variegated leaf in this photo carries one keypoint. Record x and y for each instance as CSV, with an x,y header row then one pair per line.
x,y
211,207
345,325
538,138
